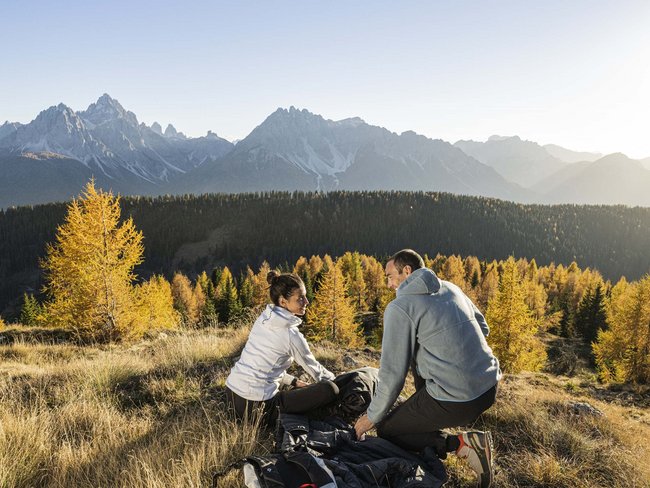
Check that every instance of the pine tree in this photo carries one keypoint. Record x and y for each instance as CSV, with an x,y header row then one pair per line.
x,y
246,288
209,311
591,316
472,271
512,326
331,316
227,303
89,268
31,312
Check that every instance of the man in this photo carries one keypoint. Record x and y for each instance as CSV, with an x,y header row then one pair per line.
x,y
433,327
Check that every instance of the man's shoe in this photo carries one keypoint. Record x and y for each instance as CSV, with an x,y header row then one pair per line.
x,y
476,447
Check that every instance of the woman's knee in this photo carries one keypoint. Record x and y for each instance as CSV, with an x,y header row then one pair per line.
x,y
333,387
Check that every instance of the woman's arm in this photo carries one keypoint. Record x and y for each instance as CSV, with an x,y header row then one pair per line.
x,y
303,356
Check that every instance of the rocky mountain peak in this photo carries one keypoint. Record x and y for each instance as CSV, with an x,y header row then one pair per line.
x,y
107,109
496,138
171,131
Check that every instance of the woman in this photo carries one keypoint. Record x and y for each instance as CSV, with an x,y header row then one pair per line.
x,y
274,342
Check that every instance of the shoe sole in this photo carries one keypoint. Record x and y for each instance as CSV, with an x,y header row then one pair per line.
x,y
486,476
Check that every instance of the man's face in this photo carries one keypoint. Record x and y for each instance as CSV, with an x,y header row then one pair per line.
x,y
394,277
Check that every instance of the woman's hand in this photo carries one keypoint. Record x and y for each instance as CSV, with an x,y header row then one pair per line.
x,y
301,384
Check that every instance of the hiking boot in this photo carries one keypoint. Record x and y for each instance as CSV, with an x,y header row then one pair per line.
x,y
476,447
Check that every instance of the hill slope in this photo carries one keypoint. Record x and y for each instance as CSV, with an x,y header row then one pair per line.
x,y
151,414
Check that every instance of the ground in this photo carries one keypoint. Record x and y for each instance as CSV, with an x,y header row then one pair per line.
x,y
150,414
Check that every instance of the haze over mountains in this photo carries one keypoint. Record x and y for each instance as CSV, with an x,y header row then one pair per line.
x,y
54,155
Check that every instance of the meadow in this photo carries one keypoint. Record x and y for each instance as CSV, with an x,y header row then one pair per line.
x,y
151,414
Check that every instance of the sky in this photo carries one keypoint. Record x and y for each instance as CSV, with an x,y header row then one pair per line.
x,y
573,73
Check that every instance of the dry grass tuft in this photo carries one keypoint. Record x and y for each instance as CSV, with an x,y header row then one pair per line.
x,y
151,414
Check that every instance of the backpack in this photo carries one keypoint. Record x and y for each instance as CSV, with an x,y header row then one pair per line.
x,y
287,470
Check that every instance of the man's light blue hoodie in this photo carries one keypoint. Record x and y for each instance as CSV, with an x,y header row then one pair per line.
x,y
435,323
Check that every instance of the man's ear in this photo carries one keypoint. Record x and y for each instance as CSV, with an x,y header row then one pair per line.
x,y
407,270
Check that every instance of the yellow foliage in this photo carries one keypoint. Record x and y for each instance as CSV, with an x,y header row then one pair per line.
x,y
89,268
453,270
622,351
156,306
331,316
302,267
350,265
185,300
315,266
489,285
512,326
373,275
261,286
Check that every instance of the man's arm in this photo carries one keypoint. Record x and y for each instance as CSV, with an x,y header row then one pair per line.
x,y
397,348
480,319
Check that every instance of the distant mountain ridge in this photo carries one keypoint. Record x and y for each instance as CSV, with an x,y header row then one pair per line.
x,y
569,156
51,157
295,149
106,141
607,181
519,161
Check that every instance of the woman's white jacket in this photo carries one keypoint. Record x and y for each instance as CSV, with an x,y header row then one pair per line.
x,y
273,344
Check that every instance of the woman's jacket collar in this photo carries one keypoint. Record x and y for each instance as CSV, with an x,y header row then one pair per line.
x,y
276,316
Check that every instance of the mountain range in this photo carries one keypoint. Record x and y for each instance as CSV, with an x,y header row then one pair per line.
x,y
52,157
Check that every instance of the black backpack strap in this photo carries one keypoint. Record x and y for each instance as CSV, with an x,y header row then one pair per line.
x,y
318,476
224,471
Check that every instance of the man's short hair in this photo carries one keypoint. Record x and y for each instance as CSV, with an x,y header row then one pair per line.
x,y
407,257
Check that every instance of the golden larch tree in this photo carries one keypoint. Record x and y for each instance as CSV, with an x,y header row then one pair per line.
x,y
89,268
185,300
155,304
350,265
260,292
331,316
512,325
373,275
622,351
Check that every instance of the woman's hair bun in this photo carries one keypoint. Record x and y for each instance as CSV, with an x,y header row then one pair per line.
x,y
271,276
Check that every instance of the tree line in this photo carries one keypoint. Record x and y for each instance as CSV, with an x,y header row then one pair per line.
x,y
91,289
194,233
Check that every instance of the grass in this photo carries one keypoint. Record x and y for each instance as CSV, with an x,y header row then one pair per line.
x,y
151,414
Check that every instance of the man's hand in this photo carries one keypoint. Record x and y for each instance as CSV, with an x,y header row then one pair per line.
x,y
363,425
301,384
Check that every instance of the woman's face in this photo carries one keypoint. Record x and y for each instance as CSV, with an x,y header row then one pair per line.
x,y
297,301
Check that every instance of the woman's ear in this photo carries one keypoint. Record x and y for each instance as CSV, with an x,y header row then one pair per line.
x,y
283,302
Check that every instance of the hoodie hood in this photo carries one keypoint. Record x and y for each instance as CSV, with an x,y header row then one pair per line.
x,y
422,281
274,316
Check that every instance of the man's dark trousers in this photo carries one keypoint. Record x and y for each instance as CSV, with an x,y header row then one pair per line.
x,y
417,423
